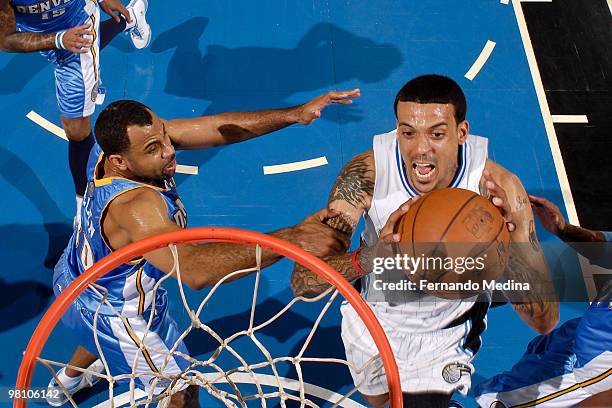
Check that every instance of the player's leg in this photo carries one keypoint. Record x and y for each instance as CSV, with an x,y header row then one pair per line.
x,y
603,400
593,349
80,358
543,377
68,381
139,29
80,141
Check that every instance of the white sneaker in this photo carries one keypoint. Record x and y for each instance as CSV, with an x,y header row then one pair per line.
x,y
141,32
55,393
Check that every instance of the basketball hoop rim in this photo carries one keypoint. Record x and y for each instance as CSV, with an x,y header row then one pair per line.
x,y
206,234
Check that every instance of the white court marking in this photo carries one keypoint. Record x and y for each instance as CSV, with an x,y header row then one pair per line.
x,y
481,60
245,378
59,132
505,1
610,6
570,119
566,191
295,166
45,124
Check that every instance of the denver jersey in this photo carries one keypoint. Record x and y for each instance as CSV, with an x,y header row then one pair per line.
x,y
50,16
130,286
413,310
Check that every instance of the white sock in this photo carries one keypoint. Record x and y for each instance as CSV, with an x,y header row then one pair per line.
x,y
67,382
129,26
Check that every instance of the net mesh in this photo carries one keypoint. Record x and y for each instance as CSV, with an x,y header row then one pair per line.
x,y
223,382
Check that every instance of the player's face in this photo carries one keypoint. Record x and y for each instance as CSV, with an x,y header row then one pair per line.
x,y
429,140
151,154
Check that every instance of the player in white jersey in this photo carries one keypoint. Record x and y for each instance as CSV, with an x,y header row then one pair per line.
x,y
572,366
131,196
69,34
434,340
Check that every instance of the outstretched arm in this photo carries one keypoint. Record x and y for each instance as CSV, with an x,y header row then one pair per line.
x,y
234,127
350,197
142,213
13,41
538,307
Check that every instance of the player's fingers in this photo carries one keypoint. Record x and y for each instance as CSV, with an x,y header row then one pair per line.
x,y
342,101
500,200
125,13
539,201
390,238
352,93
389,227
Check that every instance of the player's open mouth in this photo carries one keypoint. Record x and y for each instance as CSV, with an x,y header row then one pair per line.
x,y
423,172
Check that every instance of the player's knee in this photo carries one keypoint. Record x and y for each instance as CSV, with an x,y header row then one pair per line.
x,y
377,401
77,129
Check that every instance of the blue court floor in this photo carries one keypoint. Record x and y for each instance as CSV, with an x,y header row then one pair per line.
x,y
208,57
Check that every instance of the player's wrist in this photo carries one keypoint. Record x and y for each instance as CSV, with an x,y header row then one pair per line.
x,y
361,261
59,40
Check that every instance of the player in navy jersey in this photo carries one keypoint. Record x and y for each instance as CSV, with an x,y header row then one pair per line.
x,y
69,34
130,196
572,366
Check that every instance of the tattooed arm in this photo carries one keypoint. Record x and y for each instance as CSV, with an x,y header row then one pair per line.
x,y
538,307
76,39
350,197
13,41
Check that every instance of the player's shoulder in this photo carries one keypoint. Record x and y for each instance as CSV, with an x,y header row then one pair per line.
x,y
137,200
362,163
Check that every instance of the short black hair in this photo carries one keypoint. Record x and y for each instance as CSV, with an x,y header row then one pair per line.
x,y
432,88
111,126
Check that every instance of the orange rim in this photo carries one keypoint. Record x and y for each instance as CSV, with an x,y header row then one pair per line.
x,y
192,235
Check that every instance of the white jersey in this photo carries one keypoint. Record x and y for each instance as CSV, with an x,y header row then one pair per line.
x,y
413,311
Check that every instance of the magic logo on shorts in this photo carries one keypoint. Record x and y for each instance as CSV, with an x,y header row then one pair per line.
x,y
452,372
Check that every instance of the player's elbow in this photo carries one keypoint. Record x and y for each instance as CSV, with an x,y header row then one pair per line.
x,y
196,282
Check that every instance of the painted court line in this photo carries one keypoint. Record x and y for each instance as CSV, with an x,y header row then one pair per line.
x,y
610,6
566,191
59,132
45,124
295,166
481,60
190,170
505,1
246,378
570,119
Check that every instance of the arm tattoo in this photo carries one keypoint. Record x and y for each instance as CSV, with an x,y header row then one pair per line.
x,y
342,223
10,40
355,184
306,283
540,300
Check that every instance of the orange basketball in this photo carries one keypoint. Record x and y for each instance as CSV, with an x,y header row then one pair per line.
x,y
461,238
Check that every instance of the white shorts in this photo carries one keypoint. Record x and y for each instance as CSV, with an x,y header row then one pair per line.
x,y
433,361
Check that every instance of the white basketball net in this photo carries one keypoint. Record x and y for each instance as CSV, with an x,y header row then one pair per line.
x,y
207,374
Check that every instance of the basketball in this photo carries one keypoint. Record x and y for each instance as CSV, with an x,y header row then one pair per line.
x,y
461,239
